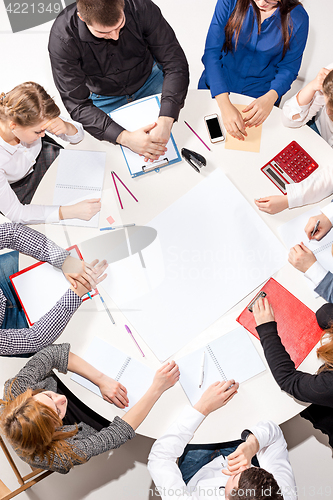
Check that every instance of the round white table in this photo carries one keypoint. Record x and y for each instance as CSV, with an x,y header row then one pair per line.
x,y
259,398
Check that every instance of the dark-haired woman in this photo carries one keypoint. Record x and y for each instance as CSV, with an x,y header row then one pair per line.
x,y
255,48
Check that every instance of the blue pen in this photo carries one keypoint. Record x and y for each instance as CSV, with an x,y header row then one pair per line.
x,y
115,227
107,310
90,297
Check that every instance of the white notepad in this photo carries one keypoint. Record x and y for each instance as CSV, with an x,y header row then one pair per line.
x,y
135,376
232,356
80,176
292,233
135,116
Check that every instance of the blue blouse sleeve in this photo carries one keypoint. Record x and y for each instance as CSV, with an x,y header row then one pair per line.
x,y
287,69
213,48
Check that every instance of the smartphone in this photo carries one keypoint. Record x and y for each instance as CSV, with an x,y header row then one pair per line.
x,y
214,128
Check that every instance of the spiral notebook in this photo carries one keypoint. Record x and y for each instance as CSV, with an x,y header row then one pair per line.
x,y
232,356
80,176
132,374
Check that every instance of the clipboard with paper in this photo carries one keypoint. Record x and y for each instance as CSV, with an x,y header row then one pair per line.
x,y
137,115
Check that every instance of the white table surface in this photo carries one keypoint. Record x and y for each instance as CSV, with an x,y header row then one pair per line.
x,y
259,398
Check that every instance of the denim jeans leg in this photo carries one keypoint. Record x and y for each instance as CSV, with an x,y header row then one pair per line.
x,y
108,103
14,315
153,84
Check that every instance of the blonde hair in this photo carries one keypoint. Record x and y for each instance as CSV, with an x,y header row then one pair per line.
x,y
35,430
27,105
328,89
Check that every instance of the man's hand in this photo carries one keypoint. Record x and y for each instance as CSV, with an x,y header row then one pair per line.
x,y
272,204
88,275
241,458
57,126
161,133
140,141
301,257
216,396
263,312
324,226
260,109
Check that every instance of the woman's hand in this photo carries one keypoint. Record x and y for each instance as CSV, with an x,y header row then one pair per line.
x,y
80,272
263,312
272,204
260,109
241,458
324,226
57,126
165,377
216,396
232,118
301,257
113,391
84,210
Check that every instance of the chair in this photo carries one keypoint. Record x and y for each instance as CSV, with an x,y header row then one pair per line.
x,y
25,482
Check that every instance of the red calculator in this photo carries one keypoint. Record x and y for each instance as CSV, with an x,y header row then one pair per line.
x,y
292,164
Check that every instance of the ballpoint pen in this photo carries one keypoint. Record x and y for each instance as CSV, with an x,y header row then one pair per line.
x,y
131,334
107,310
315,229
115,227
202,371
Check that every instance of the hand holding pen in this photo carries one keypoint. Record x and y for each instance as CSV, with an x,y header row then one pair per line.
x,y
317,227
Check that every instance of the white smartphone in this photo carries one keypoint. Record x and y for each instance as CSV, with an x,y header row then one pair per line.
x,y
214,128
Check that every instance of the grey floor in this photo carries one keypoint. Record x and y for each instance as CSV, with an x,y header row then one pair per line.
x,y
122,474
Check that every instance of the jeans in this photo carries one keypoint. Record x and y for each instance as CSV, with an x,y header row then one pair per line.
x,y
196,456
14,314
153,85
312,124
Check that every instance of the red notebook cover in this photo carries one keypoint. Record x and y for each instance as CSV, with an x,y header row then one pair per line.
x,y
296,323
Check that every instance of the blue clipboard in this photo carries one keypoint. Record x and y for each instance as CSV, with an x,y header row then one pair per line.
x,y
133,160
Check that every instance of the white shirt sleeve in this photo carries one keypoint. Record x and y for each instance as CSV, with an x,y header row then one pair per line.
x,y
306,112
273,457
316,273
11,207
314,188
162,460
73,139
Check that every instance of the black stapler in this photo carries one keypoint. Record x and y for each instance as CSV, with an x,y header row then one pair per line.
x,y
194,159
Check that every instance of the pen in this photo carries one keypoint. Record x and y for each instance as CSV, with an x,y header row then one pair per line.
x,y
202,370
315,229
115,227
197,135
107,310
131,334
88,293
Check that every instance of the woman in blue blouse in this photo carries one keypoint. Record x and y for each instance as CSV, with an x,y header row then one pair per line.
x,y
255,48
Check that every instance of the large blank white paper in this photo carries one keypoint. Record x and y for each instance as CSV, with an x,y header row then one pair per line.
x,y
233,352
80,176
293,233
132,374
215,250
135,116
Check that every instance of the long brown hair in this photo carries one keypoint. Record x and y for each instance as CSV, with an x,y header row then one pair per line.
x,y
235,22
325,351
35,430
27,105
328,89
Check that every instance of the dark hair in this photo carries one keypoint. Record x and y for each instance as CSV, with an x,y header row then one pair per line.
x,y
256,484
328,89
103,12
236,20
27,105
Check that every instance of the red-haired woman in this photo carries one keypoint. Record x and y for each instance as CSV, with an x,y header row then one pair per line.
x,y
255,48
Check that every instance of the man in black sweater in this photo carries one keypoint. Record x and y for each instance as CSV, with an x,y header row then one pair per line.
x,y
105,53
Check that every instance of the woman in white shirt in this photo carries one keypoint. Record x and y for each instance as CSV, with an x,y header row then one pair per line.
x,y
26,113
314,102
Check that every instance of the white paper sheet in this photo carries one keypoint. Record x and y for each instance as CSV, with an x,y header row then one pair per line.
x,y
80,176
236,356
215,250
293,233
135,116
137,377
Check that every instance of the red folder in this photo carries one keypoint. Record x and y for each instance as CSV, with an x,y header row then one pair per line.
x,y
74,251
296,323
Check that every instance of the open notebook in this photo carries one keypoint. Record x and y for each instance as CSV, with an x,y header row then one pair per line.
x,y
40,286
232,356
80,176
132,374
135,116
